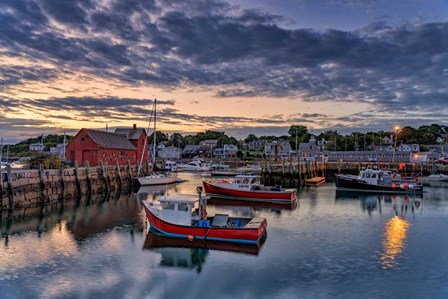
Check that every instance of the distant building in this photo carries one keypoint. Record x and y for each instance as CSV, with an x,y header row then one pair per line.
x,y
169,152
58,150
212,143
36,147
368,156
388,140
95,146
279,149
191,150
228,151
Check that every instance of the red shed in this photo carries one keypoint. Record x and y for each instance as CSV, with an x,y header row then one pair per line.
x,y
95,146
138,138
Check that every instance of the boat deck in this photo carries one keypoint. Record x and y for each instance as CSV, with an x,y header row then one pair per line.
x,y
254,223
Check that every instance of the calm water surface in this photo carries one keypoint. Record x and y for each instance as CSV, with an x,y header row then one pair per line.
x,y
332,245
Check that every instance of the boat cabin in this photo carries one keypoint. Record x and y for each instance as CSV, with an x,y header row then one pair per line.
x,y
171,165
178,210
246,181
375,176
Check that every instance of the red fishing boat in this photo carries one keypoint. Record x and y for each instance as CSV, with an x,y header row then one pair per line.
x,y
249,188
178,217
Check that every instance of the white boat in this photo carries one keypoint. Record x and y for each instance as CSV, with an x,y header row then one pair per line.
x,y
437,177
195,165
155,178
220,165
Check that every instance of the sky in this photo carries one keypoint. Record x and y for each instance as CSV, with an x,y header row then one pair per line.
x,y
253,66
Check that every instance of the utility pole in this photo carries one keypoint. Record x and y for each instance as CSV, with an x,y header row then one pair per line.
x,y
395,147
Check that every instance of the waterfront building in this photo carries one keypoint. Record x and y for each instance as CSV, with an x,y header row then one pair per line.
x,y
277,149
138,138
95,146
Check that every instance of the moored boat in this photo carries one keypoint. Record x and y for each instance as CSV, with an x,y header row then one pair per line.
x,y
177,217
249,188
195,165
157,179
376,180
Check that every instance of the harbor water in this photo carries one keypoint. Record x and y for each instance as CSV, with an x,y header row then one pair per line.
x,y
331,245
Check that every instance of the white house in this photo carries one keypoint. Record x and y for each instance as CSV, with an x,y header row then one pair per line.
x,y
388,140
229,150
169,152
36,147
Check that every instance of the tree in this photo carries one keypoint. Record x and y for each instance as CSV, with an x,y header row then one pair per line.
x,y
250,138
177,140
428,138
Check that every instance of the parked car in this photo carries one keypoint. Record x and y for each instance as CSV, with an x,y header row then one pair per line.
x,y
443,160
373,159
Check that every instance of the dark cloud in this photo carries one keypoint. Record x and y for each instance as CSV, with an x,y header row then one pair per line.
x,y
215,46
20,75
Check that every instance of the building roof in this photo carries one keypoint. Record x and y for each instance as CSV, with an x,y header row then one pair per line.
x,y
131,134
110,140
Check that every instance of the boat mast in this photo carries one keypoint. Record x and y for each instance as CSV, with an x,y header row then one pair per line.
x,y
155,134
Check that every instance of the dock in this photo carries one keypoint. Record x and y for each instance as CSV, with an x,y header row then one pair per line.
x,y
315,181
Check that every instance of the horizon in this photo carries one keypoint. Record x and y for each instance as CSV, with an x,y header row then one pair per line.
x,y
239,67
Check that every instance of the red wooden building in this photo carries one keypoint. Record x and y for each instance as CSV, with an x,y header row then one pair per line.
x,y
95,146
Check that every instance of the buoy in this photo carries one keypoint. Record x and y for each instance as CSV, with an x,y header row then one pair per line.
x,y
401,186
411,186
405,185
394,186
190,238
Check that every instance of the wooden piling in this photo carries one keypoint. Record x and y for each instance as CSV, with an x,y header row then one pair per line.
x,y
88,179
10,188
42,184
77,181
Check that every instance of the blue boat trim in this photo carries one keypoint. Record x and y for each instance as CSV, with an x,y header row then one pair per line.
x,y
206,238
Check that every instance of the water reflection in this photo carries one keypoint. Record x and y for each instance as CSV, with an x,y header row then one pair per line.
x,y
394,240
182,253
82,218
401,204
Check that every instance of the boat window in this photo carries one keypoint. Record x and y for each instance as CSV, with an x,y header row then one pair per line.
x,y
168,205
182,207
374,175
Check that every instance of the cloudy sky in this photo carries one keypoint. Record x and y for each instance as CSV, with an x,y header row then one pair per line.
x,y
253,66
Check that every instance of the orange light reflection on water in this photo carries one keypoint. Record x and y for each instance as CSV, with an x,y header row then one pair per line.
x,y
393,244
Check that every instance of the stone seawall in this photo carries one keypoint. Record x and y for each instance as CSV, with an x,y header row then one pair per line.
x,y
32,188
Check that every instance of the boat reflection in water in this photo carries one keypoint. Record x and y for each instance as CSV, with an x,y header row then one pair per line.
x,y
182,253
401,203
394,240
153,192
256,205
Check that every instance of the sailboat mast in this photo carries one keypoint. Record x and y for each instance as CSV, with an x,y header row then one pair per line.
x,y
155,133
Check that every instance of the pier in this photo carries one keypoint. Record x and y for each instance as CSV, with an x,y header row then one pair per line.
x,y
33,188
304,171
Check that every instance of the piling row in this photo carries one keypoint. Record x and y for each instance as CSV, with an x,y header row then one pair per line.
x,y
306,170
32,188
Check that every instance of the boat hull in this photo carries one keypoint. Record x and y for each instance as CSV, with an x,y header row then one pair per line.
x,y
224,234
155,180
351,183
287,196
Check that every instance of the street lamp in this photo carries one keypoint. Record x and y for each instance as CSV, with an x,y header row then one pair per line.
x,y
397,128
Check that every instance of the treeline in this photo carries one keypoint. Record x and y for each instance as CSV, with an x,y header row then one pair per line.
x,y
423,135
22,149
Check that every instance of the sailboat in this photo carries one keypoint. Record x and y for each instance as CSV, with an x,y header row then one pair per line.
x,y
155,178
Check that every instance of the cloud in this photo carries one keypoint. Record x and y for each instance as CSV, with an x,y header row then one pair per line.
x,y
232,51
